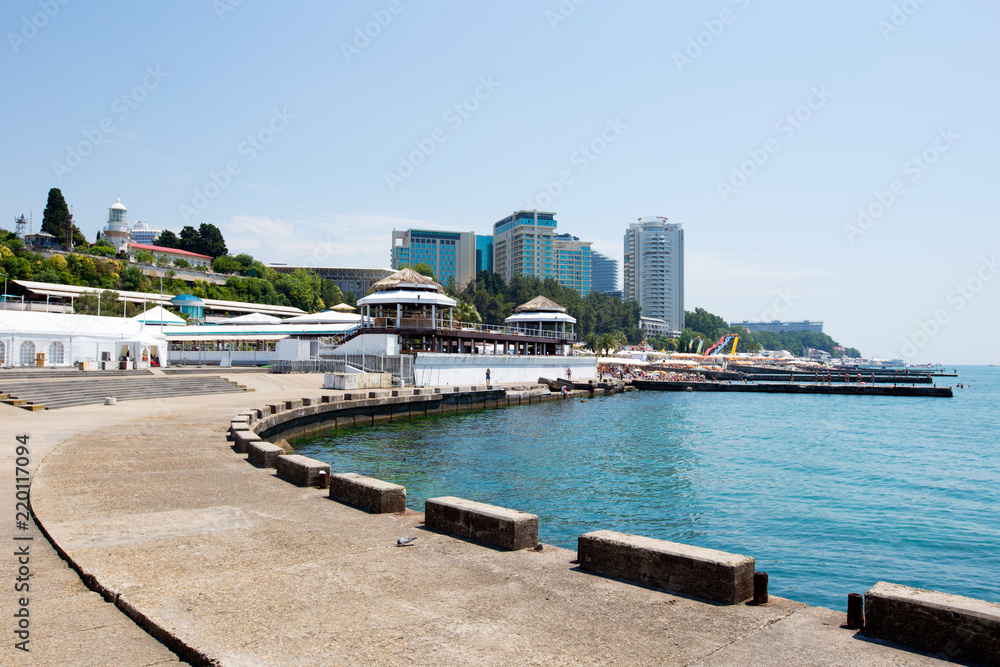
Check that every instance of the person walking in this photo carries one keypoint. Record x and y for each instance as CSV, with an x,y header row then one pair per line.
x,y
569,373
487,377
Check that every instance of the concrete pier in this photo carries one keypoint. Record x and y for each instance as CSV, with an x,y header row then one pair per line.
x,y
225,563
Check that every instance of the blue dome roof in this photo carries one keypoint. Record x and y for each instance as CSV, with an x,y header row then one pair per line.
x,y
187,299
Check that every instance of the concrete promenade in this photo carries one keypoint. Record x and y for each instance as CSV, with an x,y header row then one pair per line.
x,y
236,566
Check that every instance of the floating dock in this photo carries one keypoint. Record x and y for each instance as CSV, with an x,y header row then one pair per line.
x,y
792,388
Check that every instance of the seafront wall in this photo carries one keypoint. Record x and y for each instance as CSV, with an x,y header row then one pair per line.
x,y
435,370
300,417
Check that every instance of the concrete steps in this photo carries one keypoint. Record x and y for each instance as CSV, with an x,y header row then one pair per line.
x,y
88,390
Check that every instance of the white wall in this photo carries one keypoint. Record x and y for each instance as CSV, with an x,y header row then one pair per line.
x,y
224,357
371,344
434,370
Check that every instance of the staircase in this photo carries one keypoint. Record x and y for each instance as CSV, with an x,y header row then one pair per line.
x,y
86,389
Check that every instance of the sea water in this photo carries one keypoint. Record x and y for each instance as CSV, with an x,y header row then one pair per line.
x,y
829,493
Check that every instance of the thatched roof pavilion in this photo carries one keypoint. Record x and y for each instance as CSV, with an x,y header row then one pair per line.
x,y
542,317
540,304
407,279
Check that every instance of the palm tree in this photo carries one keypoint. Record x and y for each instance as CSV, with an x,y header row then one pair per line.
x,y
466,312
606,342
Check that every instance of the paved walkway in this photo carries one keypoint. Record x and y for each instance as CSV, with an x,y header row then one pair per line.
x,y
246,569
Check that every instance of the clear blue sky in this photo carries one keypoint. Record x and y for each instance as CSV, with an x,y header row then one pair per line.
x,y
161,96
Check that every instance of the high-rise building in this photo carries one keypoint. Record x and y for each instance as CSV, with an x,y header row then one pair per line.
x,y
526,243
449,254
484,253
572,262
654,269
603,273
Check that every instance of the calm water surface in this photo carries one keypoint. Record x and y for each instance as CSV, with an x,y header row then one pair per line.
x,y
829,493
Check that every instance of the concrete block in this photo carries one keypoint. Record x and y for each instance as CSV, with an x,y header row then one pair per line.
x,y
263,454
241,439
706,573
370,494
276,408
961,628
488,524
300,470
291,405
237,426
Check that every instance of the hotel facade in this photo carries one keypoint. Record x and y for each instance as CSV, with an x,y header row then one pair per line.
x,y
654,269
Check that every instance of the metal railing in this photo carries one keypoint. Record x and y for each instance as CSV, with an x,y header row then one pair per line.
x,y
427,324
399,366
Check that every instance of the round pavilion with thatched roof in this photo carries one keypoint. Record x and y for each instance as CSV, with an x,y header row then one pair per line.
x,y
544,318
408,300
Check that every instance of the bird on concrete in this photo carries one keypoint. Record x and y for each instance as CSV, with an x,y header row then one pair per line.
x,y
405,541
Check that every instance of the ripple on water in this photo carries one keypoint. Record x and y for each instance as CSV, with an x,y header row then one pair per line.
x,y
829,493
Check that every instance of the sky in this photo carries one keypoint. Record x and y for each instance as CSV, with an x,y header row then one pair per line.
x,y
828,161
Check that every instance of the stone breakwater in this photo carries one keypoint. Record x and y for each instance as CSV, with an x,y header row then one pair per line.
x,y
951,621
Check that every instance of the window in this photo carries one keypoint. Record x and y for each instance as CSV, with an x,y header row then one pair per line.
x,y
27,353
56,352
3,353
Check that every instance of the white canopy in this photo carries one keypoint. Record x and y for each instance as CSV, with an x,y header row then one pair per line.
x,y
413,297
250,318
67,339
326,317
538,316
159,315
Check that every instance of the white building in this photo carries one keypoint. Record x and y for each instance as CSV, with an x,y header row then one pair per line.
x,y
143,233
50,339
170,254
654,269
116,230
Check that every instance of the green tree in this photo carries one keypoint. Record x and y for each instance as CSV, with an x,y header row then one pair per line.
x,y
466,312
56,220
211,241
110,306
190,240
167,239
226,264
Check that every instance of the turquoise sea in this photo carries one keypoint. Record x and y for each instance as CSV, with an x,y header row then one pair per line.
x,y
829,493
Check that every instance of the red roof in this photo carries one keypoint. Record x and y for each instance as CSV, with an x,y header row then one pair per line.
x,y
170,251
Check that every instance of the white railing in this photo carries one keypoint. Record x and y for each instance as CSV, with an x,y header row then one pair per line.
x,y
427,324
